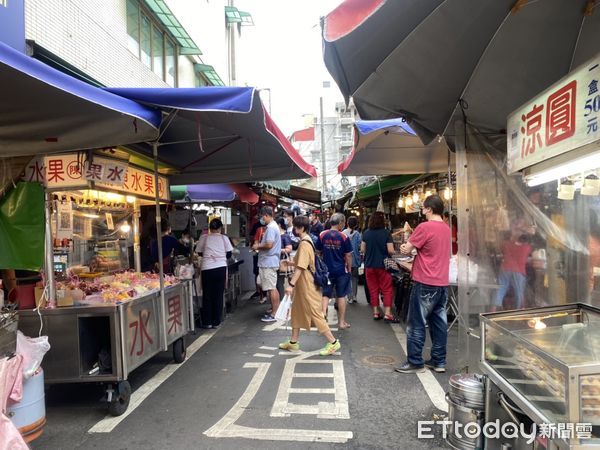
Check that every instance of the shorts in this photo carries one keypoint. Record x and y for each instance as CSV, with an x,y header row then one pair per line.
x,y
340,286
268,278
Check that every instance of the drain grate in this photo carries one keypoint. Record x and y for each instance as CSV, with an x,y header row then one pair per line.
x,y
379,360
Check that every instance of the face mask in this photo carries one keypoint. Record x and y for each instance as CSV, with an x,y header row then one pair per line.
x,y
286,220
186,241
262,221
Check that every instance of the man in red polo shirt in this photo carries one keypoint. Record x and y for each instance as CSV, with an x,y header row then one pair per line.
x,y
429,294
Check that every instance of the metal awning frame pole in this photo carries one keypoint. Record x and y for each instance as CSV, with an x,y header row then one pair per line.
x,y
161,273
137,257
49,251
159,231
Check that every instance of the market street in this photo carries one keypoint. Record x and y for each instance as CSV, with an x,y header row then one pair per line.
x,y
234,385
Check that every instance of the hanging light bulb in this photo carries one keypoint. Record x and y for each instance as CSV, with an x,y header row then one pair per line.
x,y
125,227
415,197
400,202
447,193
409,201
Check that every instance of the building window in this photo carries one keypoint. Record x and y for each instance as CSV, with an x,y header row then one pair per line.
x,y
149,42
170,62
133,27
146,42
200,81
158,53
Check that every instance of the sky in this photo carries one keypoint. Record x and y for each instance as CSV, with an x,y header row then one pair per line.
x,y
283,52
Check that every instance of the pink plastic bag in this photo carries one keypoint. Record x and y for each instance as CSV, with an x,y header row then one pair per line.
x,y
11,390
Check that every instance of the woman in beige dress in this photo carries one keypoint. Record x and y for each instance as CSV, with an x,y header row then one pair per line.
x,y
306,306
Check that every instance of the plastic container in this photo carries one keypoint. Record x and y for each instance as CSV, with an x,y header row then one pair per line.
x,y
29,415
24,295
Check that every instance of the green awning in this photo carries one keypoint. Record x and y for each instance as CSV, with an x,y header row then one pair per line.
x,y
210,73
246,19
387,184
232,15
186,44
178,192
22,227
279,185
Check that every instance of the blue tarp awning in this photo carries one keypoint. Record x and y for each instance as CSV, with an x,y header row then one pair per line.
x,y
46,111
219,135
391,147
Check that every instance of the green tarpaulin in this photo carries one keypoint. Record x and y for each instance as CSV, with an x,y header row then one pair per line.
x,y
387,184
22,228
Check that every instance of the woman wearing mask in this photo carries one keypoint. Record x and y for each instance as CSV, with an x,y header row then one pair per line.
x,y
215,249
355,239
377,244
307,301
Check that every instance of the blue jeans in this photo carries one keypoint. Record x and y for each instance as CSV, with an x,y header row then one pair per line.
x,y
427,306
518,281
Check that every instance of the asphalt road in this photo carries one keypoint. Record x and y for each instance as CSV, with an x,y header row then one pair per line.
x,y
232,387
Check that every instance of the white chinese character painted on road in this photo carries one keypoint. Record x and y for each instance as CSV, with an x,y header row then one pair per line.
x,y
227,427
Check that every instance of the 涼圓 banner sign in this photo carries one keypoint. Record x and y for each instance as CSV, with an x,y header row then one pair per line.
x,y
564,117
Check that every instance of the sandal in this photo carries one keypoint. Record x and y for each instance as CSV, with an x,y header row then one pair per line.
x,y
391,319
376,316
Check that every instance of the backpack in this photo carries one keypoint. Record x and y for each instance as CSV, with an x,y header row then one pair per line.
x,y
321,274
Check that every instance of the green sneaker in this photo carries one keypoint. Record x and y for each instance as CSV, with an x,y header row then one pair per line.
x,y
287,345
330,348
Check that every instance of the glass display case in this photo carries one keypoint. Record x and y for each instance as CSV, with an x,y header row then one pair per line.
x,y
549,360
91,233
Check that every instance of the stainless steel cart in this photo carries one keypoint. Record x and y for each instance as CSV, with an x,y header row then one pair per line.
x,y
543,366
103,344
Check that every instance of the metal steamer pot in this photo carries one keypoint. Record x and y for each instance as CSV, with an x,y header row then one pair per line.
x,y
468,390
466,412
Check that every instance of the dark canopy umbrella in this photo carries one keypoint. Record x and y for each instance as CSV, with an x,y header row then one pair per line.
x,y
391,147
220,135
424,60
46,111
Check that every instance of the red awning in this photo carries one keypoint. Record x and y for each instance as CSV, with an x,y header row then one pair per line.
x,y
348,16
305,135
245,194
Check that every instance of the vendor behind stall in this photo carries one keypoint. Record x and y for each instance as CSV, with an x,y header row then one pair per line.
x,y
171,248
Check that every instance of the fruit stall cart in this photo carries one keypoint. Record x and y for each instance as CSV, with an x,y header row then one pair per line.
x,y
103,317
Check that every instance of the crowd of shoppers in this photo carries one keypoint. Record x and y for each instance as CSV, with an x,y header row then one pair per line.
x,y
287,249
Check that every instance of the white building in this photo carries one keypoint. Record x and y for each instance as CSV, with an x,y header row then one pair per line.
x,y
135,43
338,135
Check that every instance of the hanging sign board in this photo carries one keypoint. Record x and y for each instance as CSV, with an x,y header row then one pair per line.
x,y
564,117
71,171
110,224
59,171
140,183
108,171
